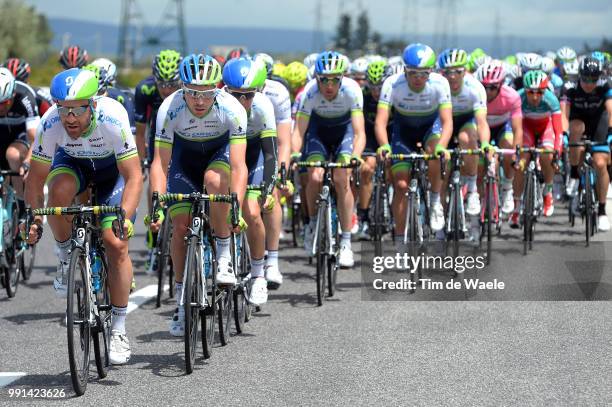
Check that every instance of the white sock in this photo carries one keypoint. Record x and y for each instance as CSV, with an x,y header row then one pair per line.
x,y
506,183
178,291
435,198
118,318
345,239
470,181
62,250
272,258
223,248
257,268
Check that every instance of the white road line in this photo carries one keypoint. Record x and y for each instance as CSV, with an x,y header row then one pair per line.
x,y
139,297
7,378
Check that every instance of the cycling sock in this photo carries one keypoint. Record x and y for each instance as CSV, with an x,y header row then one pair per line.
x,y
118,318
601,210
574,172
62,250
345,239
506,183
435,198
257,267
470,181
363,214
178,291
272,258
223,247
548,188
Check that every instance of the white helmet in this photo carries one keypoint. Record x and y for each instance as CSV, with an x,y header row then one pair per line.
x,y
396,63
550,54
110,68
565,54
481,60
347,62
311,73
359,66
571,67
530,62
547,65
7,84
311,59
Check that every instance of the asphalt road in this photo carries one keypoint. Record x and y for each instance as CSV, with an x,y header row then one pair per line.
x,y
352,351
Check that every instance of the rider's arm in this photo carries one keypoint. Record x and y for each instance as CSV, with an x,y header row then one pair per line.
x,y
516,121
43,151
129,169
237,153
282,114
140,117
164,140
480,114
301,125
446,119
609,110
357,122
269,146
382,113
556,119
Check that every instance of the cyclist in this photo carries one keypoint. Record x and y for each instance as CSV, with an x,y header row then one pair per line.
x,y
542,126
358,71
243,78
424,115
376,74
18,122
587,106
469,101
84,139
111,81
563,56
21,71
296,75
200,141
527,62
505,119
330,123
281,101
73,56
277,75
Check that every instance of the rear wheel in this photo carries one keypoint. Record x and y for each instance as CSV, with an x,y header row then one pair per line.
x,y
225,313
77,321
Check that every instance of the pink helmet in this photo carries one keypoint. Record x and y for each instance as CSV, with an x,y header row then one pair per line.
x,y
491,73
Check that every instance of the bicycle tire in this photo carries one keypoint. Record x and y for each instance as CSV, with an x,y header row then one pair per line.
x,y
29,260
101,336
588,205
163,259
225,314
13,271
296,214
378,216
413,207
528,199
321,266
191,298
78,306
491,201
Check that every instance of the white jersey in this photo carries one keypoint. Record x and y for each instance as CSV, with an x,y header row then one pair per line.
x,y
109,139
261,122
348,102
415,109
471,98
279,96
226,121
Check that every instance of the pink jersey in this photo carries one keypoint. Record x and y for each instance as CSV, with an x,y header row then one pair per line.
x,y
505,106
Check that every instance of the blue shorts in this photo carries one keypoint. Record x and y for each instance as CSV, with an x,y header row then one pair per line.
x,y
461,123
255,167
404,140
103,173
323,142
190,160
501,132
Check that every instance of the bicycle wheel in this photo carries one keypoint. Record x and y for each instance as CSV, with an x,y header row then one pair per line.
x,y
77,320
191,299
529,202
29,258
101,334
208,314
12,272
296,215
239,294
491,210
163,260
225,313
378,216
413,221
322,256
588,205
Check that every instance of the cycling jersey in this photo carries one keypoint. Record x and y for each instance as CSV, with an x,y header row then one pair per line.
x,y
198,144
470,99
556,84
146,103
43,100
127,103
92,157
590,108
370,106
330,129
417,113
542,121
500,112
279,96
261,154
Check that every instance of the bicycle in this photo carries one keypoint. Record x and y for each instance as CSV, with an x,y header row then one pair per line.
x,y
88,313
587,198
379,205
325,243
161,253
202,298
12,249
533,201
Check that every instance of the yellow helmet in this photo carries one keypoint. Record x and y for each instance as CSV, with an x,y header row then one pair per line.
x,y
278,69
296,74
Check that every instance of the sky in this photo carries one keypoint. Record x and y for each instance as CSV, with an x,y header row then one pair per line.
x,y
548,18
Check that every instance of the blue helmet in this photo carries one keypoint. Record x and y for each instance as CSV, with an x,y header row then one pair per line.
x,y
419,56
330,62
598,55
74,84
199,69
243,73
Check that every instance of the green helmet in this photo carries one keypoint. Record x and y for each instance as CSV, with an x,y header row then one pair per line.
x,y
535,80
511,60
166,65
474,56
377,72
96,70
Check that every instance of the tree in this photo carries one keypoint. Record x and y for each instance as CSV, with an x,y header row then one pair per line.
x,y
24,32
343,33
377,40
362,33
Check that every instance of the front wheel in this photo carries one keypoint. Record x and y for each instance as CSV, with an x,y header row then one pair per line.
x,y
101,336
191,299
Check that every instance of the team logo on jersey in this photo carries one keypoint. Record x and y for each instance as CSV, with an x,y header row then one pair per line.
x,y
148,89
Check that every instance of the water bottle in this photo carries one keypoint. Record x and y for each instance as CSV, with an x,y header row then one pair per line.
x,y
206,260
96,266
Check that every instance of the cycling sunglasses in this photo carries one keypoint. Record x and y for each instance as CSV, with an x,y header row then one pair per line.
x,y
453,71
240,95
168,84
77,111
423,74
196,94
325,80
535,91
492,87
589,79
